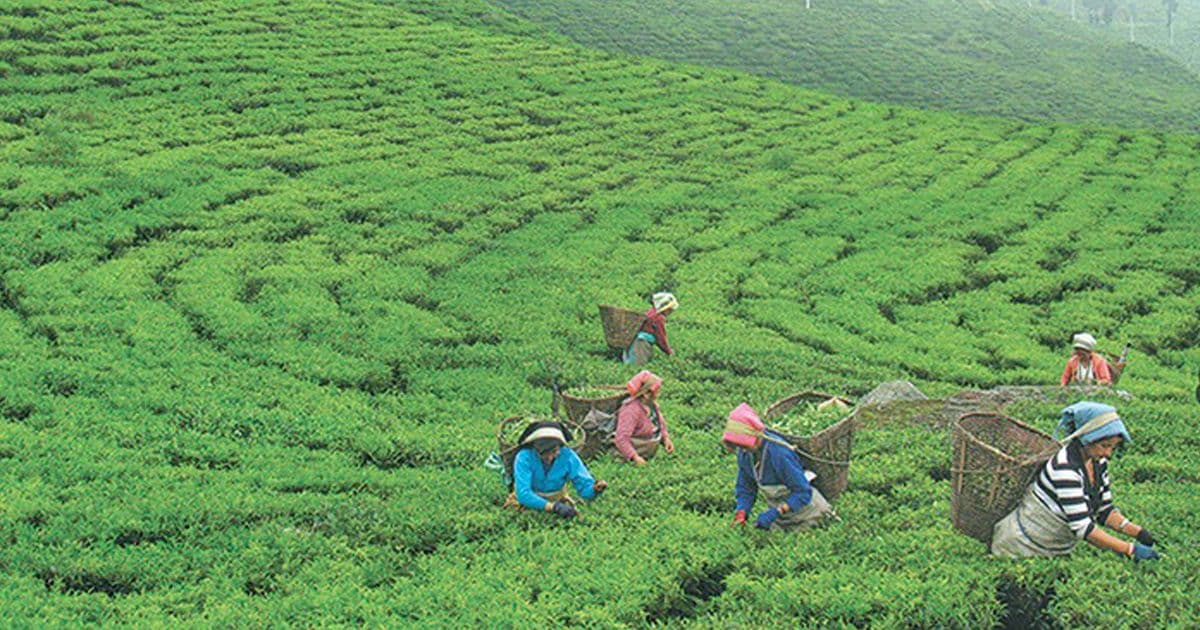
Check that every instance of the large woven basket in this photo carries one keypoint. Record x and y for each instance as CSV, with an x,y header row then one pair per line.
x,y
620,325
508,450
577,408
995,459
827,452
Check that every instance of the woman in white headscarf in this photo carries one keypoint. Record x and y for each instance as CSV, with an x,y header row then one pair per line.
x,y
653,332
1071,497
1086,366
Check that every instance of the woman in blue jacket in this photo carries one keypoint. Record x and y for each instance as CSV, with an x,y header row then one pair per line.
x,y
767,465
543,466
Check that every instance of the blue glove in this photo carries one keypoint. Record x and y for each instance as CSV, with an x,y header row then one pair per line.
x,y
1143,552
767,518
564,509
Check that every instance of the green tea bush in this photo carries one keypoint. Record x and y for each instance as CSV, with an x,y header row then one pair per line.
x,y
257,333
1007,59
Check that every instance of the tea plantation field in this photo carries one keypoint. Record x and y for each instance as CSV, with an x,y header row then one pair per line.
x,y
984,57
271,272
1149,24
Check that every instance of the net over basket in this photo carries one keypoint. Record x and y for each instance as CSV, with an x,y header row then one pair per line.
x,y
827,452
995,459
578,407
620,325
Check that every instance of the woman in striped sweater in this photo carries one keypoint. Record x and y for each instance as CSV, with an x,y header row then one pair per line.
x,y
1071,496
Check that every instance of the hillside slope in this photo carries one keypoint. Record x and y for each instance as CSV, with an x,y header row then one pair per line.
x,y
978,57
271,272
1150,27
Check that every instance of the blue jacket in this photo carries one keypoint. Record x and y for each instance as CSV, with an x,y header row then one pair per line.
x,y
531,476
780,466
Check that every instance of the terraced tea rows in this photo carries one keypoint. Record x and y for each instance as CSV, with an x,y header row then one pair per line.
x,y
272,272
994,58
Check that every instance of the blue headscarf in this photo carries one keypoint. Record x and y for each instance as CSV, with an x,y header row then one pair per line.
x,y
1074,417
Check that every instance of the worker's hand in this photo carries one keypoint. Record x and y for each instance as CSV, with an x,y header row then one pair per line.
x,y
600,486
1146,538
564,509
767,518
669,445
1142,552
739,518
638,461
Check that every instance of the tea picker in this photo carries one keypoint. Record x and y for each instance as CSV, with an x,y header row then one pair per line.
x,y
1086,366
542,467
653,331
767,464
641,426
1071,495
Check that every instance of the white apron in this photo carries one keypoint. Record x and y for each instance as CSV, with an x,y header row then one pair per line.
x,y
1032,530
812,515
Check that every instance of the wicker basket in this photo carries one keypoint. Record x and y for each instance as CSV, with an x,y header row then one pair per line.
x,y
1116,362
508,450
576,407
827,452
620,325
995,458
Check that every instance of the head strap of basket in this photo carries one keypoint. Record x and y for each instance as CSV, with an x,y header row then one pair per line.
x,y
664,301
1083,341
1090,422
642,382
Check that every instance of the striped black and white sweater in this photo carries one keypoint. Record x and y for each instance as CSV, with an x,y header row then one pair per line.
x,y
1063,487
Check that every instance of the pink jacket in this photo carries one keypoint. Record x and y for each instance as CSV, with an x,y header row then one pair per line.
x,y
656,325
1099,370
633,420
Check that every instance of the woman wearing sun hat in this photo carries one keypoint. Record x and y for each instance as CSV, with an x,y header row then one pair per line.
x,y
1071,497
1086,366
641,426
543,466
767,465
653,332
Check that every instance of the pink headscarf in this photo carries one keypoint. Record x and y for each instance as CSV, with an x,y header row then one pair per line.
x,y
643,380
744,427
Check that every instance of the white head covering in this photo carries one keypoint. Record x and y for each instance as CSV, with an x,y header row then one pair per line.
x,y
664,301
1085,341
545,433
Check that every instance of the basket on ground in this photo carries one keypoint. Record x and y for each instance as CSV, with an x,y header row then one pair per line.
x,y
995,459
620,325
511,427
827,452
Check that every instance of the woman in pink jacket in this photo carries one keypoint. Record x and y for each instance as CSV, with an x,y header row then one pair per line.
x,y
640,423
1086,366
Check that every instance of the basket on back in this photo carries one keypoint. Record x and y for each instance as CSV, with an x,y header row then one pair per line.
x,y
512,426
620,325
995,459
578,407
1116,364
827,452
